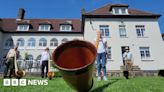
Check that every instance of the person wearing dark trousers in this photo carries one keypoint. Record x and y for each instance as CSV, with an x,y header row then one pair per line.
x,y
127,62
9,63
44,62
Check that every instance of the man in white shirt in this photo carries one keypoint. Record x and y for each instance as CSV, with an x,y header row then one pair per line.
x,y
101,44
9,64
45,56
127,60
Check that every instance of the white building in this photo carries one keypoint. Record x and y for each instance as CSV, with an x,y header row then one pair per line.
x,y
34,35
121,26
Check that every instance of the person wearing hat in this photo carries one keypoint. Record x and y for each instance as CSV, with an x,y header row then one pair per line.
x,y
9,64
45,56
127,61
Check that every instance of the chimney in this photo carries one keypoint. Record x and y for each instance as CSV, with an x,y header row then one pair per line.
x,y
82,11
20,14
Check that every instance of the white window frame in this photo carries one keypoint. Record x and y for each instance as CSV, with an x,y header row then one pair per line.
x,y
120,10
53,42
64,40
44,27
145,53
22,27
105,30
31,43
42,42
140,30
122,31
65,28
20,42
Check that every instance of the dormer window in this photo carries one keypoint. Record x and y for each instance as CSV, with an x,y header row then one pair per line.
x,y
23,27
44,27
120,10
65,28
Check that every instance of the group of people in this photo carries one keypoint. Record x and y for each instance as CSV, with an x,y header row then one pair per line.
x,y
102,52
14,53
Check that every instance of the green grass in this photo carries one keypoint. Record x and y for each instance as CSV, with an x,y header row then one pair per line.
x,y
120,84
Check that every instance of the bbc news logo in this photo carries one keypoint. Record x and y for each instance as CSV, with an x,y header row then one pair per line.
x,y
23,82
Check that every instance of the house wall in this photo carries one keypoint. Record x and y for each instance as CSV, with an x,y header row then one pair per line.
x,y
152,39
37,50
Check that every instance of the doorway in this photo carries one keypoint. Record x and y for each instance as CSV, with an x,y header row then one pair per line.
x,y
123,50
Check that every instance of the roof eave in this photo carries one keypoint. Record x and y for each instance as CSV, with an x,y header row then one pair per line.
x,y
43,32
121,16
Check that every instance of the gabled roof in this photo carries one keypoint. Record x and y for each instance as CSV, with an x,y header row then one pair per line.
x,y
105,11
10,25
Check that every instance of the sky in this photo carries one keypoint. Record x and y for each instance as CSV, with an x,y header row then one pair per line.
x,y
71,8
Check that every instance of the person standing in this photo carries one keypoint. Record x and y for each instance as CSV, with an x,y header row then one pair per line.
x,y
101,45
9,64
45,56
127,61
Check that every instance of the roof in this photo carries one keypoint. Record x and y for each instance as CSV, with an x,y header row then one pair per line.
x,y
10,25
105,11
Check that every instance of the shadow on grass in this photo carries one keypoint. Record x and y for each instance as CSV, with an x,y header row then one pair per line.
x,y
101,88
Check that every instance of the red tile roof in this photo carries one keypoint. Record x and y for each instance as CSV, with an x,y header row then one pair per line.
x,y
10,25
106,11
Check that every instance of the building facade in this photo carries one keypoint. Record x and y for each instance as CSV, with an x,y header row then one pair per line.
x,y
125,27
120,25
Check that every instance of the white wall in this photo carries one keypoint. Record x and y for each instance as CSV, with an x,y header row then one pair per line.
x,y
152,39
37,50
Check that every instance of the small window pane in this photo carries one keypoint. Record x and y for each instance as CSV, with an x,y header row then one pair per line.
x,y
65,28
105,30
145,53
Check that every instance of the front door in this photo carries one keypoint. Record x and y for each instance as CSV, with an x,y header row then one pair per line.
x,y
123,50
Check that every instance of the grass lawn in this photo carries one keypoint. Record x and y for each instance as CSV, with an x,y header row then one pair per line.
x,y
120,84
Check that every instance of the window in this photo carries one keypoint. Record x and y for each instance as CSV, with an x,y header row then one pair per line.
x,y
20,42
38,57
31,42
105,30
65,28
64,40
30,61
42,42
120,10
123,10
37,63
116,10
9,42
140,29
109,53
23,27
144,52
54,42
122,30
44,27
